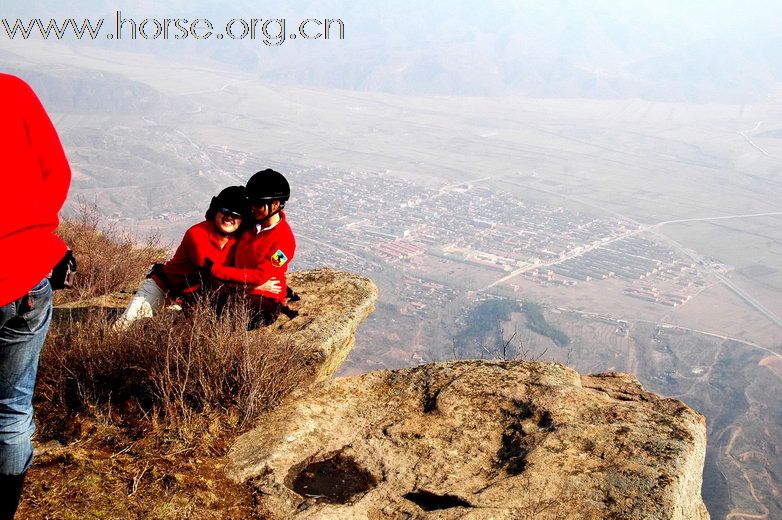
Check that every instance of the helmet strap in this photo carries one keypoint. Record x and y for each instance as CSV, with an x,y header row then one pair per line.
x,y
271,215
282,205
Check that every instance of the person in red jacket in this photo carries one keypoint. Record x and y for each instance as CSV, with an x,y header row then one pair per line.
x,y
35,177
263,252
208,242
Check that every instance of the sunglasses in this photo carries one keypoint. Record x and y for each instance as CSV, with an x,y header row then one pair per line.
x,y
230,213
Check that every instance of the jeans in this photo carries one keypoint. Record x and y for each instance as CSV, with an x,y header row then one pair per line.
x,y
23,327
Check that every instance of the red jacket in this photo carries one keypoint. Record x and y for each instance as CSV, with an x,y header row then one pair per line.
x,y
34,181
259,256
200,242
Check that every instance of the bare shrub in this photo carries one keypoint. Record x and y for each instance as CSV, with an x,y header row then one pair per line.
x,y
109,259
172,367
135,408
507,347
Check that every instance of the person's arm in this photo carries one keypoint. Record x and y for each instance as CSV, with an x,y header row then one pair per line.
x,y
241,276
256,276
267,269
55,171
198,247
221,272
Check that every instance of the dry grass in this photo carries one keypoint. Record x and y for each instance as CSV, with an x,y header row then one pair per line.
x,y
141,420
108,259
171,368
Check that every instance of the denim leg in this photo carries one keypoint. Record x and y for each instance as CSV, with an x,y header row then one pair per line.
x,y
23,327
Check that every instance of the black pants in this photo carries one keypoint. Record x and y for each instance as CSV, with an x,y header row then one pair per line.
x,y
263,311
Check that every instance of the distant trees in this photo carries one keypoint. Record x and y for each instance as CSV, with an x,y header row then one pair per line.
x,y
537,323
483,330
482,327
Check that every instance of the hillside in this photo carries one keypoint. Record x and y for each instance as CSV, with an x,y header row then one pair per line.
x,y
188,415
477,439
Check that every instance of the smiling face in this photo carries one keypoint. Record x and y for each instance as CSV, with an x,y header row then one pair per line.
x,y
227,222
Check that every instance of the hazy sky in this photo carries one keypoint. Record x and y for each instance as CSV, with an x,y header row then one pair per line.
x,y
690,50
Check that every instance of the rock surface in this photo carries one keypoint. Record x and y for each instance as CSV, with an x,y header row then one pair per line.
x,y
332,305
474,439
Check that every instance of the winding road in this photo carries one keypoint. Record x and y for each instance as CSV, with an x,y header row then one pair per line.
x,y
754,144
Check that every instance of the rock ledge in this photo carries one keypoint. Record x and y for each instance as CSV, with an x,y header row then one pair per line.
x,y
332,306
475,439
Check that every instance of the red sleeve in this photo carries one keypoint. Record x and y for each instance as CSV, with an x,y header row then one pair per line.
x,y
46,145
199,248
265,271
238,275
222,271
192,252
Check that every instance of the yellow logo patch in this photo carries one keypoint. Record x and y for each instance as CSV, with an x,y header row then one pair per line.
x,y
279,258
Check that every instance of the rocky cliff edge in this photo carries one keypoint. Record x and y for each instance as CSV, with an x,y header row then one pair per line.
x,y
476,439
467,439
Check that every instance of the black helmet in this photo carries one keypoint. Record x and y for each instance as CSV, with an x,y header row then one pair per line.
x,y
268,185
232,198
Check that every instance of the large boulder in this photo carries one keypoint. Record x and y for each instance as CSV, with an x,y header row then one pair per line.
x,y
475,439
333,304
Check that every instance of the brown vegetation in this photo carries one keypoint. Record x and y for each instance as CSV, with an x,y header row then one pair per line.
x,y
108,259
136,424
170,368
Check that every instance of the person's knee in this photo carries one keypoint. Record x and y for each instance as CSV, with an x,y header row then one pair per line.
x,y
16,455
